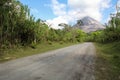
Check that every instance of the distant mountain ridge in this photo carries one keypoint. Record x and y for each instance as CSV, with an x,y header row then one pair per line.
x,y
88,24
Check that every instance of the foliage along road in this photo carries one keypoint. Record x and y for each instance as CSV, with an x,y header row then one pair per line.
x,y
71,63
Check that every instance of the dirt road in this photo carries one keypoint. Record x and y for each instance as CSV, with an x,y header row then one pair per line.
x,y
71,63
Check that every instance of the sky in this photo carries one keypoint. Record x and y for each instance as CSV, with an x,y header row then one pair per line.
x,y
55,12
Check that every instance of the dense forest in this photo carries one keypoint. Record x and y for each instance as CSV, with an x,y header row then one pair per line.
x,y
18,27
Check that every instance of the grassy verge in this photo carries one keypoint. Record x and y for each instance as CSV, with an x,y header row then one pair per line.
x,y
27,51
108,61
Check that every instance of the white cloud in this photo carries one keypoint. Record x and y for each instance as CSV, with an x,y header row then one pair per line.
x,y
76,10
58,8
54,22
105,4
92,8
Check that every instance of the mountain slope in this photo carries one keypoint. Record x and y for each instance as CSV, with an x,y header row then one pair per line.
x,y
88,24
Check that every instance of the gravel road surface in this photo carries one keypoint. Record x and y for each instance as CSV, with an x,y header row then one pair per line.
x,y
71,63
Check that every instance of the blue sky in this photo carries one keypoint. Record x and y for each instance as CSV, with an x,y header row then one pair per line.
x,y
68,11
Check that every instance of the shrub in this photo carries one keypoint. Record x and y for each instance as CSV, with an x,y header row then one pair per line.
x,y
33,46
61,42
50,42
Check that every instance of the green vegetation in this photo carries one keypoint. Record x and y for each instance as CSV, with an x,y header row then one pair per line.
x,y
19,28
27,51
108,61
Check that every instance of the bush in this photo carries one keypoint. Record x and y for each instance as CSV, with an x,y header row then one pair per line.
x,y
50,42
33,46
115,56
61,42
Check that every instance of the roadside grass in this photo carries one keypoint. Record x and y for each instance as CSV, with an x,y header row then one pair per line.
x,y
107,65
10,54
